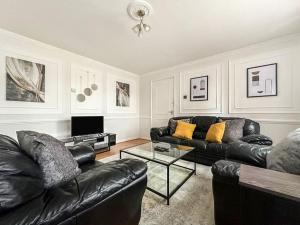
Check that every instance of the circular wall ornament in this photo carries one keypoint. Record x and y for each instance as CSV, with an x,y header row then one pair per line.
x,y
80,97
88,91
139,5
94,86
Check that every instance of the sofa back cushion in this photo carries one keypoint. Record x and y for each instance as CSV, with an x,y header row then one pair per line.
x,y
57,164
173,122
234,130
250,127
20,178
203,123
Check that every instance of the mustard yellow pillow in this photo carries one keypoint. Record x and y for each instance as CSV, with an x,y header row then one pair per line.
x,y
215,132
184,130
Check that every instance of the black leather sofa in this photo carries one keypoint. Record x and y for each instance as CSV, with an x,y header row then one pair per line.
x,y
229,209
103,194
208,153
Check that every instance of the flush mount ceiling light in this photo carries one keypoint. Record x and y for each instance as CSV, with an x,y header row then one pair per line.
x,y
138,10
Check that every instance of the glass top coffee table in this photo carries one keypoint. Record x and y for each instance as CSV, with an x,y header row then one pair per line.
x,y
167,172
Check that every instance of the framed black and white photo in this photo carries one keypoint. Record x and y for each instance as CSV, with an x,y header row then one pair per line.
x,y
199,88
25,81
122,94
262,81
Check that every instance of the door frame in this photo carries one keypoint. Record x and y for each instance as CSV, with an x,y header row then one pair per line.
x,y
151,96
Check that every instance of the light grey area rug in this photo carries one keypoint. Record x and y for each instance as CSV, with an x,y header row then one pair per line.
x,y
192,204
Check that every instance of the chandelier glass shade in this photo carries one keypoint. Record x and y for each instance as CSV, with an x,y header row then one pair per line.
x,y
141,27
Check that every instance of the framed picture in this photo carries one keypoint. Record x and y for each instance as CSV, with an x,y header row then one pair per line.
x,y
122,94
199,88
262,81
25,81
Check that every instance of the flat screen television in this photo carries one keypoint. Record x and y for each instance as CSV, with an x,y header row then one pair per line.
x,y
84,125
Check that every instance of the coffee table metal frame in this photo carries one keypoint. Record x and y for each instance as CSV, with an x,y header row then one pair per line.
x,y
172,163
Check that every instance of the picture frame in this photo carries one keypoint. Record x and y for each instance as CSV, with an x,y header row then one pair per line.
x,y
25,80
262,81
199,88
122,94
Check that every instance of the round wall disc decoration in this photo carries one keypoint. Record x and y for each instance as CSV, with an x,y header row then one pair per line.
x,y
87,91
94,86
80,96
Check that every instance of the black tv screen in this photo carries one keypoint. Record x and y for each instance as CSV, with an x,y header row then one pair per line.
x,y
83,125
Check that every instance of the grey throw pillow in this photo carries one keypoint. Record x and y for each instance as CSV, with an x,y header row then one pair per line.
x,y
173,124
55,160
285,156
233,130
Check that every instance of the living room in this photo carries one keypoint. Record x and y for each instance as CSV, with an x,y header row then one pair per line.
x,y
150,112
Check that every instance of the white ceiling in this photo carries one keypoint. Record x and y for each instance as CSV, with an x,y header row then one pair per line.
x,y
182,30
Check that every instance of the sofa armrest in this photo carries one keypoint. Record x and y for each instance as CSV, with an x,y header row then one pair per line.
x,y
157,132
226,171
257,139
82,153
248,153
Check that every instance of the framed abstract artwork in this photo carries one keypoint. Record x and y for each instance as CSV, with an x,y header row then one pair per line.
x,y
122,94
25,80
262,81
199,88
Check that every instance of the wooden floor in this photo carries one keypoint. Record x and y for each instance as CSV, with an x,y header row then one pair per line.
x,y
120,146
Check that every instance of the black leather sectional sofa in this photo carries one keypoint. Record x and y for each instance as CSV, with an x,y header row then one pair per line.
x,y
103,194
208,153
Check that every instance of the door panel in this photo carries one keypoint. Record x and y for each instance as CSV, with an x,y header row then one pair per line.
x,y
162,101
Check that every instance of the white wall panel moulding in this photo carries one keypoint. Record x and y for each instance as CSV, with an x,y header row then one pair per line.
x,y
214,102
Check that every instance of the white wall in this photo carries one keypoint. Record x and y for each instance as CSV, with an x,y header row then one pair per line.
x,y
54,118
277,115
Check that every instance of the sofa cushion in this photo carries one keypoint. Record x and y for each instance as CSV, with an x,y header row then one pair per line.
x,y
203,123
285,156
173,123
172,140
199,144
99,183
217,149
184,130
55,160
250,127
215,133
233,130
20,178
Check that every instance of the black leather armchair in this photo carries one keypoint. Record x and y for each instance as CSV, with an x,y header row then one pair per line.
x,y
226,189
103,194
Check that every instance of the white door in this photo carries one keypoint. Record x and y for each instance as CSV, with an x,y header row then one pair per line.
x,y
162,101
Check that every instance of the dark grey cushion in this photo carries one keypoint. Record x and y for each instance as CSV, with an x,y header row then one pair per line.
x,y
173,124
56,162
285,156
233,130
